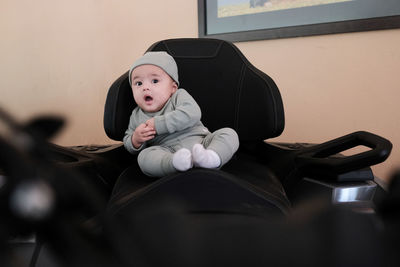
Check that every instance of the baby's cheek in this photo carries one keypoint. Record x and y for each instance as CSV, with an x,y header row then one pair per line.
x,y
135,97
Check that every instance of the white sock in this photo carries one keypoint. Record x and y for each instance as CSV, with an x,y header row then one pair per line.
x,y
205,158
182,159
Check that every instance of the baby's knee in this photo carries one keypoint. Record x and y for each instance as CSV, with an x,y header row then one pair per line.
x,y
143,162
155,161
231,135
142,157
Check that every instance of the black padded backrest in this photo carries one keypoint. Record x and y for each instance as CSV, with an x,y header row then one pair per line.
x,y
230,91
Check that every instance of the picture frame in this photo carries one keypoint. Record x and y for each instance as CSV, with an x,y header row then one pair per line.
x,y
376,15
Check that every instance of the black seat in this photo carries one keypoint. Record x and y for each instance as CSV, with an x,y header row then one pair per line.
x,y
233,93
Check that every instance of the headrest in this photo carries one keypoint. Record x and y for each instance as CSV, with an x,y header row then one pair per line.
x,y
230,91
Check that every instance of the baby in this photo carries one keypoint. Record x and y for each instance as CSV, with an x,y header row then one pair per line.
x,y
165,127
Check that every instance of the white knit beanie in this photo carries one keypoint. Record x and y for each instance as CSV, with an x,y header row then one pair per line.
x,y
160,59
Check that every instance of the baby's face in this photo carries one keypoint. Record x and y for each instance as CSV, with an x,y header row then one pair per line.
x,y
151,87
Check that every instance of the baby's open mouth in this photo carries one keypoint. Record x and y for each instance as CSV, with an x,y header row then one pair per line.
x,y
148,98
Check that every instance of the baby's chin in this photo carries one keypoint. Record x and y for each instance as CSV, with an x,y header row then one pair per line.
x,y
150,109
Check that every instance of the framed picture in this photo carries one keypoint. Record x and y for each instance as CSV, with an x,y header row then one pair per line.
x,y
244,20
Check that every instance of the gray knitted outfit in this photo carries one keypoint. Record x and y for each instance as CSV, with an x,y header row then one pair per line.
x,y
178,126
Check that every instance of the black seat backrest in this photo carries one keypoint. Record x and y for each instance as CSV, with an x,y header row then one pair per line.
x,y
231,92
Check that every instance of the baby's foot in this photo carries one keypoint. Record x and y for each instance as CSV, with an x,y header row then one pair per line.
x,y
205,158
182,159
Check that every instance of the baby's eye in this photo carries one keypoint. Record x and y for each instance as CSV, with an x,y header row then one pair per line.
x,y
155,81
138,83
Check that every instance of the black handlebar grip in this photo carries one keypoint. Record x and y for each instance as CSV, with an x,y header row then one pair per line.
x,y
325,157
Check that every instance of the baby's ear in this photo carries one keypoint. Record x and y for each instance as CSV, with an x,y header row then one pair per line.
x,y
175,85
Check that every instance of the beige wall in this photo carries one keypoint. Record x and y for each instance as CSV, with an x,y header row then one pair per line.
x,y
61,56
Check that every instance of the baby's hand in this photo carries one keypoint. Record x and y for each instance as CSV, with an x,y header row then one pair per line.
x,y
142,134
150,123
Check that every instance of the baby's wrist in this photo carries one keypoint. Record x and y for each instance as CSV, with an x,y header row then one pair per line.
x,y
135,143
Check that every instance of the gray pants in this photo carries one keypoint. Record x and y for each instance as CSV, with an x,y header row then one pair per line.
x,y
157,160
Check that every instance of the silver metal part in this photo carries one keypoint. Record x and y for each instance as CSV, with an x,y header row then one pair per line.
x,y
354,193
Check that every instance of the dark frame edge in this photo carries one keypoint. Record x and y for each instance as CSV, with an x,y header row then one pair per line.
x,y
371,24
201,15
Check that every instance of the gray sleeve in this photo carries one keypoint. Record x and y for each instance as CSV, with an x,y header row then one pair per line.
x,y
128,137
186,114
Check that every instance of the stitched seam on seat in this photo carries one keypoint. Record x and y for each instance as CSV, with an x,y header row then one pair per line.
x,y
216,52
238,94
275,106
127,199
256,71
